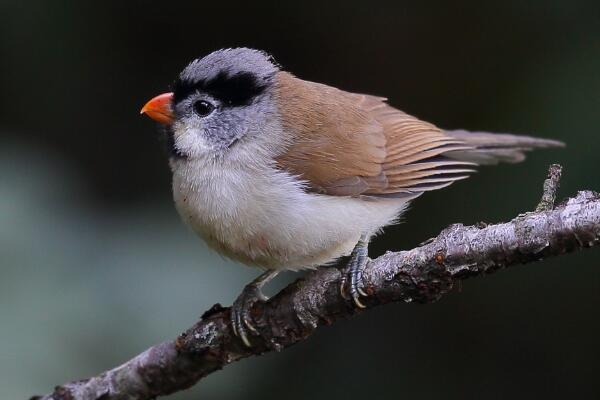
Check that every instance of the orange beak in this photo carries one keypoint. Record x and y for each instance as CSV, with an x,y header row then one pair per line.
x,y
159,108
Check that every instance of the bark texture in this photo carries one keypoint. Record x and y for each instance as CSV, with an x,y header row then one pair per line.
x,y
421,275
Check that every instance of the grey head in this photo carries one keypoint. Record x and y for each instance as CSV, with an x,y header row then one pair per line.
x,y
219,99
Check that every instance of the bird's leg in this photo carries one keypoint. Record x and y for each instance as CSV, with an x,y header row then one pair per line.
x,y
240,311
357,263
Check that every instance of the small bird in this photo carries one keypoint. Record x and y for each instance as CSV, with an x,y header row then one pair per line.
x,y
286,174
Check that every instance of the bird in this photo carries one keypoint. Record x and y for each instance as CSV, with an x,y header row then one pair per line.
x,y
282,173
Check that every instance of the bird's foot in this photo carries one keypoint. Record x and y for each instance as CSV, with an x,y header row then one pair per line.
x,y
353,277
241,320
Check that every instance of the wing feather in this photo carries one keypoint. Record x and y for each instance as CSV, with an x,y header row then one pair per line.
x,y
348,144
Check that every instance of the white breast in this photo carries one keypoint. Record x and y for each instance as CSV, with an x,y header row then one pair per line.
x,y
263,217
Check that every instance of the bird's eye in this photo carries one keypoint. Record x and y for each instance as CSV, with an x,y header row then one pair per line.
x,y
203,108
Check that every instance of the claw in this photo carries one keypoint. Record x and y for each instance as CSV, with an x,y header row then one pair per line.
x,y
241,320
250,326
233,324
261,296
358,260
244,338
343,289
357,302
361,292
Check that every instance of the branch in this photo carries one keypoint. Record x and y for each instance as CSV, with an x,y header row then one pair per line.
x,y
421,275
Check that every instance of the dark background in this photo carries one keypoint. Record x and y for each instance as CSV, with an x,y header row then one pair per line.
x,y
95,265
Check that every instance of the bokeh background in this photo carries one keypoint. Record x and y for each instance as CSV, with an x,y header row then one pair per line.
x,y
95,265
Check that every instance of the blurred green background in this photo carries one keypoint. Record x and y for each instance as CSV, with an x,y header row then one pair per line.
x,y
95,265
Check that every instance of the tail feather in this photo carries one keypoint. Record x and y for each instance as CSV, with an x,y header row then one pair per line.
x,y
492,148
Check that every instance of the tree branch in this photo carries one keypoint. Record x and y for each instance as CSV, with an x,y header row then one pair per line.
x,y
421,275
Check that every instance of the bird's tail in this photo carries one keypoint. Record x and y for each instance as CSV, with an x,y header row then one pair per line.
x,y
492,148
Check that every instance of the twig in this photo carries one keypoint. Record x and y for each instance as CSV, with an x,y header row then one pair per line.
x,y
421,275
550,188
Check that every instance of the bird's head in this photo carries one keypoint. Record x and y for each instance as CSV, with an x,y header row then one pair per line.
x,y
217,101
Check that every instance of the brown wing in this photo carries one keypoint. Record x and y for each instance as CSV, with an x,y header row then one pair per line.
x,y
349,144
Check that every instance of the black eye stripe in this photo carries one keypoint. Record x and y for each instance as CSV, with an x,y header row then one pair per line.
x,y
235,90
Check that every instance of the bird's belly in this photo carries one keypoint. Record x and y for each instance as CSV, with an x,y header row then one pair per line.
x,y
268,220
